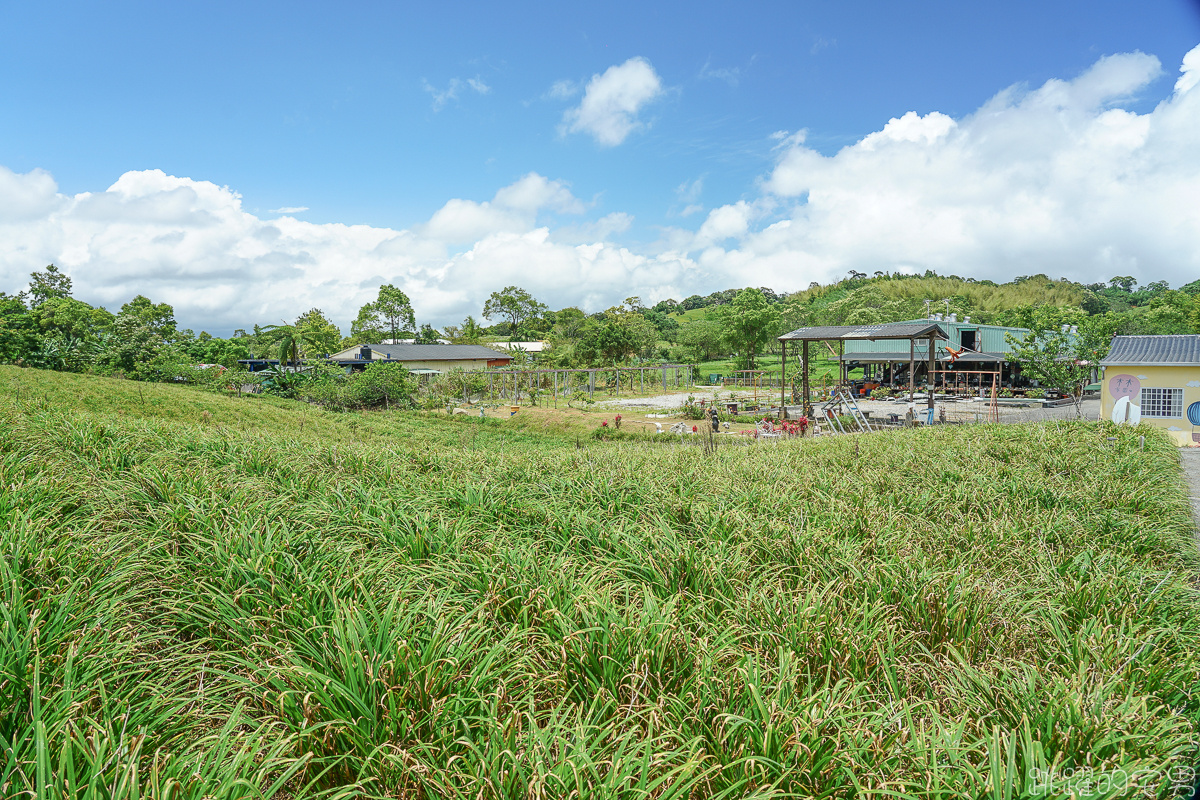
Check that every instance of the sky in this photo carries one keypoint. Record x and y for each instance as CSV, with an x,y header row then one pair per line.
x,y
246,162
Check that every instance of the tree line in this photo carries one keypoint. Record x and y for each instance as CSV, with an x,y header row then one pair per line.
x,y
45,326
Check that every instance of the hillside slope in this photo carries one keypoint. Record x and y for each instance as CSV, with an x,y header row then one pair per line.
x,y
390,605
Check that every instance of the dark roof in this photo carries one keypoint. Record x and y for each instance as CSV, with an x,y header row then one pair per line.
x,y
887,330
1148,351
428,352
922,355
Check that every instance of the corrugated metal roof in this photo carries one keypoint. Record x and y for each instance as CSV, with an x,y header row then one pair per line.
x,y
423,352
1148,351
921,355
887,330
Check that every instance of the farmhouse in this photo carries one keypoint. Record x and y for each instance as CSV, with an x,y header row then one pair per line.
x,y
422,359
1156,380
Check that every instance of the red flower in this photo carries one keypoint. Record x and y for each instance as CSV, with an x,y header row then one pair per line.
x,y
604,424
695,429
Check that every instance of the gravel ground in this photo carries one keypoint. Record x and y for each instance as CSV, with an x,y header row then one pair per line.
x,y
957,410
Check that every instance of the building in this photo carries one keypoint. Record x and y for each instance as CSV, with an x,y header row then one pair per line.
x,y
977,349
1155,380
422,359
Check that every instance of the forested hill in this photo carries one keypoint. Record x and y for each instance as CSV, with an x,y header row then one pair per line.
x,y
862,299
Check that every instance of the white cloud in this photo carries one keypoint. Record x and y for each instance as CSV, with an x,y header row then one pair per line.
x,y
562,90
456,85
1058,179
290,210
191,244
611,102
729,75
513,209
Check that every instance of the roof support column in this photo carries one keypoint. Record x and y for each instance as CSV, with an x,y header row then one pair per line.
x,y
932,369
912,366
806,408
783,379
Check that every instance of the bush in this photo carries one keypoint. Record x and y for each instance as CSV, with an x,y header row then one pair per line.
x,y
381,384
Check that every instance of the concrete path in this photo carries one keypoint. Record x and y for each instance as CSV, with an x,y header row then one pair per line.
x,y
1190,458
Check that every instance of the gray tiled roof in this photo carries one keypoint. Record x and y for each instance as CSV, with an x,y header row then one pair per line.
x,y
887,330
427,352
1148,351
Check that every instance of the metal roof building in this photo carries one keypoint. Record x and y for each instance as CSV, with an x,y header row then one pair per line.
x,y
425,358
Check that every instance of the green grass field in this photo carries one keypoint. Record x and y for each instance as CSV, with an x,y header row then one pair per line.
x,y
213,597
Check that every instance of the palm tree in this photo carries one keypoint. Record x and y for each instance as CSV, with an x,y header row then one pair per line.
x,y
292,341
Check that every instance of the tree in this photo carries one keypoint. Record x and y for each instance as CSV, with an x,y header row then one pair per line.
x,y
141,341
604,341
293,341
1063,348
390,312
514,304
18,329
366,328
749,322
47,284
701,339
158,317
70,317
319,331
427,335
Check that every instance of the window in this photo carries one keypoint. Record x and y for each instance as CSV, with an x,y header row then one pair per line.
x,y
1162,403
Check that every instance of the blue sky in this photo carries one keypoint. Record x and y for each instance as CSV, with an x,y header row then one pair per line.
x,y
654,149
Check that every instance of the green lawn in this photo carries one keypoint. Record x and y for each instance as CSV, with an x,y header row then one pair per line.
x,y
215,597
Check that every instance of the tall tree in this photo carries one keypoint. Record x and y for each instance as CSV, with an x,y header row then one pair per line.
x,y
395,310
319,331
47,284
390,313
749,322
514,304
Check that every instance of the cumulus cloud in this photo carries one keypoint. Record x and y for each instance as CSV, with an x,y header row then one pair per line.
x,y
456,85
609,109
513,209
1057,179
191,244
290,210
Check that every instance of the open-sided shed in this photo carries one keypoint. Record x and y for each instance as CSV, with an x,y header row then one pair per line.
x,y
912,331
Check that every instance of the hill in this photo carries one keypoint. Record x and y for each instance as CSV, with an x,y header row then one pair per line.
x,y
210,596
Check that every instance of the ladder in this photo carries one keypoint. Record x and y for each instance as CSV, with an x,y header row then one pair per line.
x,y
843,398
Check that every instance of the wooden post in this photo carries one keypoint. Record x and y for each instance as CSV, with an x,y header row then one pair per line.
x,y
912,365
842,371
805,406
782,379
642,379
932,367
